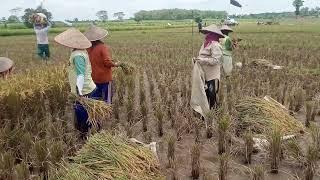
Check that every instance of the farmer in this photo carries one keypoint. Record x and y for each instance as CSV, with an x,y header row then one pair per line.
x,y
200,26
41,28
79,71
210,58
6,67
101,62
227,46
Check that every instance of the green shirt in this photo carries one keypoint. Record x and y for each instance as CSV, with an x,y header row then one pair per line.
x,y
80,65
227,46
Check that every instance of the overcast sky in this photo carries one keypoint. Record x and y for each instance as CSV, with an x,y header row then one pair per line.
x,y
86,9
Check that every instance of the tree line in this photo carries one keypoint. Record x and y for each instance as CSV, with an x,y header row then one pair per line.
x,y
178,14
303,12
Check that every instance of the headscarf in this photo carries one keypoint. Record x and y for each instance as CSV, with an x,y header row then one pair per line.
x,y
211,37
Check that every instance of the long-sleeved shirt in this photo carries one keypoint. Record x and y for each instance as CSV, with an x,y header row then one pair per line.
x,y
226,44
101,62
42,34
79,64
210,59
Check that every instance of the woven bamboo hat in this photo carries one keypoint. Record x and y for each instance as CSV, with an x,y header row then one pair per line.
x,y
226,28
212,29
95,33
5,64
73,38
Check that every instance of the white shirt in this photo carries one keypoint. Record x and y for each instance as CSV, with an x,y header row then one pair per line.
x,y
210,59
42,35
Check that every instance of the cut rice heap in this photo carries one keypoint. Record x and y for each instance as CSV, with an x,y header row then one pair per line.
x,y
110,157
263,115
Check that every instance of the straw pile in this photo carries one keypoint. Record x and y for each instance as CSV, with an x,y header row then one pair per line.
x,y
261,63
109,157
263,115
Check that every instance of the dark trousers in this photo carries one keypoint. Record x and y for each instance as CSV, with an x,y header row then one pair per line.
x,y
104,92
212,93
43,51
81,116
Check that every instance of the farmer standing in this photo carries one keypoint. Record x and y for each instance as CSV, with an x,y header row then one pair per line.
x,y
101,62
227,47
209,59
79,71
41,28
6,67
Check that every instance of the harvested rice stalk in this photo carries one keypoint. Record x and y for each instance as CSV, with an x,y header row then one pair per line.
x,y
223,169
258,173
248,139
22,171
309,108
111,157
127,68
97,110
261,63
223,129
275,150
262,116
171,151
195,157
210,118
314,110
311,162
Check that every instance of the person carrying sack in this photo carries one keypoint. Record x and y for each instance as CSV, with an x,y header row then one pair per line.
x,y
41,27
207,64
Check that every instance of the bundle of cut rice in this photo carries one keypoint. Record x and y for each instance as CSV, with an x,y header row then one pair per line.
x,y
97,110
127,68
38,19
263,115
261,63
111,157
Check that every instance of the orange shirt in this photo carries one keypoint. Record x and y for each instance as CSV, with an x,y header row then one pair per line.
x,y
101,63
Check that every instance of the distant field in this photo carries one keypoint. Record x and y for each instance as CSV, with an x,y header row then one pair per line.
x,y
249,26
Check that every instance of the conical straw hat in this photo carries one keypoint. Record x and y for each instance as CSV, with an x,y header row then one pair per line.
x,y
5,64
73,38
226,28
212,29
95,33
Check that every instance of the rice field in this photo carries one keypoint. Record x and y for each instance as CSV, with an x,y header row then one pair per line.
x,y
151,104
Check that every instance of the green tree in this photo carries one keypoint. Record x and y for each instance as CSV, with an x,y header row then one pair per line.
x,y
305,11
198,19
297,4
102,15
13,19
29,12
119,15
